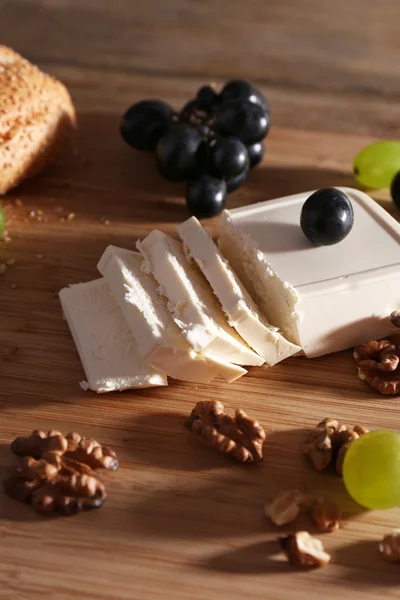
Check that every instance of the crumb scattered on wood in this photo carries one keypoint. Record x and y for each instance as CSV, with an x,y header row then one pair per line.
x,y
6,238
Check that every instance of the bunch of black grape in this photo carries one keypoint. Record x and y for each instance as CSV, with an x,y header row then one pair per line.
x,y
212,143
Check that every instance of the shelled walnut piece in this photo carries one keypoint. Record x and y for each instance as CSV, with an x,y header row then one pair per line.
x,y
284,507
72,446
239,436
378,364
328,443
54,472
303,550
326,515
390,546
54,484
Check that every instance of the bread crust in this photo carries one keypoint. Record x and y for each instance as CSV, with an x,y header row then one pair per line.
x,y
37,119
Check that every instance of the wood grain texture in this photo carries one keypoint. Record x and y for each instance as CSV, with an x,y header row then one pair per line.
x,y
324,65
180,521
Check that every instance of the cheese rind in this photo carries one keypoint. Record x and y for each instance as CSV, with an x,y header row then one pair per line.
x,y
191,301
104,342
242,312
323,298
159,339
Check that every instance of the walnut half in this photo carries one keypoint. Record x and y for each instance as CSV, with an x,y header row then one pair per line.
x,y
54,472
239,436
303,550
72,445
378,364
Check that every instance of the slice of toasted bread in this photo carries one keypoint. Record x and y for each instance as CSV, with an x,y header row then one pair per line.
x,y
37,119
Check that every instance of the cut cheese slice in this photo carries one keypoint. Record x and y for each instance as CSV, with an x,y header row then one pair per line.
x,y
191,301
105,344
242,312
159,339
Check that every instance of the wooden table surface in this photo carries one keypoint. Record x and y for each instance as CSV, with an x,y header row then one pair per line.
x,y
180,521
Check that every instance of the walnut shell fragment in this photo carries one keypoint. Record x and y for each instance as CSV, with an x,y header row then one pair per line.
x,y
390,546
304,551
239,436
284,507
326,515
378,364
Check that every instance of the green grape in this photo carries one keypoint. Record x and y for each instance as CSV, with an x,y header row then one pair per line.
x,y
2,221
371,469
377,164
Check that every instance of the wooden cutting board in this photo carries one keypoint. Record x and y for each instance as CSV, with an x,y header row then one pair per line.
x,y
180,521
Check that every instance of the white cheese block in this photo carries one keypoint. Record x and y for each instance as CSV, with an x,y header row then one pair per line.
x,y
323,298
159,339
242,312
191,301
102,337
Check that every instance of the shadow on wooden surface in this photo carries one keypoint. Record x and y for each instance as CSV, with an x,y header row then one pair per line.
x,y
355,556
11,509
250,559
106,180
202,510
173,445
267,182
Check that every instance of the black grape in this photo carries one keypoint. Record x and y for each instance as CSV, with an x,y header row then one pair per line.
x,y
145,123
255,152
180,153
239,88
228,157
206,196
234,183
243,119
207,98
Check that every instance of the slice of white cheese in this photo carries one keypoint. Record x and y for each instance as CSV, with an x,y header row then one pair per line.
x,y
191,301
323,298
159,339
102,337
237,303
